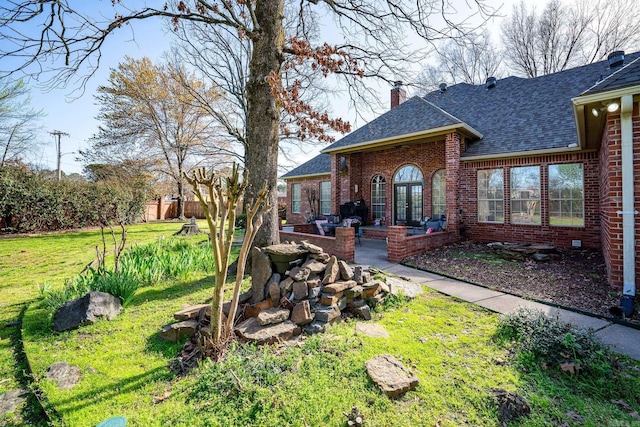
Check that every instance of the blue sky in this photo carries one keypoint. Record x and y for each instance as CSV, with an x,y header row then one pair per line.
x,y
74,112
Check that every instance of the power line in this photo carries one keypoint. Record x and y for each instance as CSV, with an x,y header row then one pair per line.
x,y
58,147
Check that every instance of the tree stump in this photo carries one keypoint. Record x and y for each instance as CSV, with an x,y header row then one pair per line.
x,y
189,229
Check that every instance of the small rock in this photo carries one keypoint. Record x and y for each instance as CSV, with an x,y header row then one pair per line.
x,y
191,312
357,274
330,299
175,331
363,312
286,286
314,266
366,277
371,289
254,309
301,314
300,290
311,248
274,292
314,281
511,405
314,292
66,376
272,316
359,302
390,375
538,257
314,327
342,303
354,292
299,274
339,286
326,313
11,401
346,272
372,330
322,257
250,330
332,272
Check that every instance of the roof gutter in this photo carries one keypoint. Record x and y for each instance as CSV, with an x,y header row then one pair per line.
x,y
394,140
310,175
514,154
628,211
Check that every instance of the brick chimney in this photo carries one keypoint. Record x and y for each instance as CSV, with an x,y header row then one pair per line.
x,y
398,95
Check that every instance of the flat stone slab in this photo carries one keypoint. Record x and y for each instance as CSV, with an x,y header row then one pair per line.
x,y
286,249
191,312
250,330
174,332
11,400
393,378
64,375
371,330
272,316
408,289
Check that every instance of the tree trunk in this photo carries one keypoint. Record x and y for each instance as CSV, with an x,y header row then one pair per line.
x,y
180,185
264,113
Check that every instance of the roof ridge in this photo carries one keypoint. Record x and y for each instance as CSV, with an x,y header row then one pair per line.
x,y
598,83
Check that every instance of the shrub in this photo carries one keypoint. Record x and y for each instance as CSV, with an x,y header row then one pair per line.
x,y
29,202
542,339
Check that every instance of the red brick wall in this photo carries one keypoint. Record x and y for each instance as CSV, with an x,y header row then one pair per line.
x,y
544,233
363,167
400,246
611,194
342,245
306,183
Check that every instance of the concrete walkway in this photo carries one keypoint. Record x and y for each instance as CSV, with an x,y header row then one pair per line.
x,y
620,338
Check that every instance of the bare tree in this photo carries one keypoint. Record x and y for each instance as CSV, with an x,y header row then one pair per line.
x,y
375,45
470,58
146,110
18,122
568,35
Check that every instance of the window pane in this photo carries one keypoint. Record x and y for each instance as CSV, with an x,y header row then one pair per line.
x,y
378,197
438,194
566,195
525,195
296,197
325,197
490,195
408,174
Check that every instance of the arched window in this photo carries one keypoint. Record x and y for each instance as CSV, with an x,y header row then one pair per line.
x,y
378,196
408,173
438,193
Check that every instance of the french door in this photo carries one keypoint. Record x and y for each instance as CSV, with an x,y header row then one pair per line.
x,y
408,204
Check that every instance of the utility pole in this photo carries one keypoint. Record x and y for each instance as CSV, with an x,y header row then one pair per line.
x,y
59,134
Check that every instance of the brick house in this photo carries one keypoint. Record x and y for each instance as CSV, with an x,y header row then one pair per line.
x,y
542,160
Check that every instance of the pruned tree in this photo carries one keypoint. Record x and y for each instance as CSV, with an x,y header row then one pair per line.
x,y
568,35
18,121
470,58
225,194
146,112
372,42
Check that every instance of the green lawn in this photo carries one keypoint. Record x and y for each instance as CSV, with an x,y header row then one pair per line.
x,y
26,262
450,345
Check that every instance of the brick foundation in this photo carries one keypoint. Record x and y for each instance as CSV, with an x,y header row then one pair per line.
x,y
400,246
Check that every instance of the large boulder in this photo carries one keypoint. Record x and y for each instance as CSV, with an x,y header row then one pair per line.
x,y
86,310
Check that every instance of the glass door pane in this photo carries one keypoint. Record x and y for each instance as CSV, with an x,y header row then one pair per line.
x,y
401,203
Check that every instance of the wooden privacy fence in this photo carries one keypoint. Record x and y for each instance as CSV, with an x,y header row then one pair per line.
x,y
167,209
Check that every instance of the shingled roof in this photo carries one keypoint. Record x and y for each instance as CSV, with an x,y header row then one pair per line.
x,y
517,115
626,76
319,165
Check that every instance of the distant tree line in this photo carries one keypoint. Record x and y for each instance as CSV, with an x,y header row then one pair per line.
x,y
30,202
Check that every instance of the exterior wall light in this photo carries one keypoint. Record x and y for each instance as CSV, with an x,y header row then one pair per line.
x,y
613,107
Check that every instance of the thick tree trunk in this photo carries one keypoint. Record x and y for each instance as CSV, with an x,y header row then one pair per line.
x,y
261,158
180,185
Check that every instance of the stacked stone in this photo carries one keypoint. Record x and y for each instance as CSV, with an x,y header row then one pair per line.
x,y
314,291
